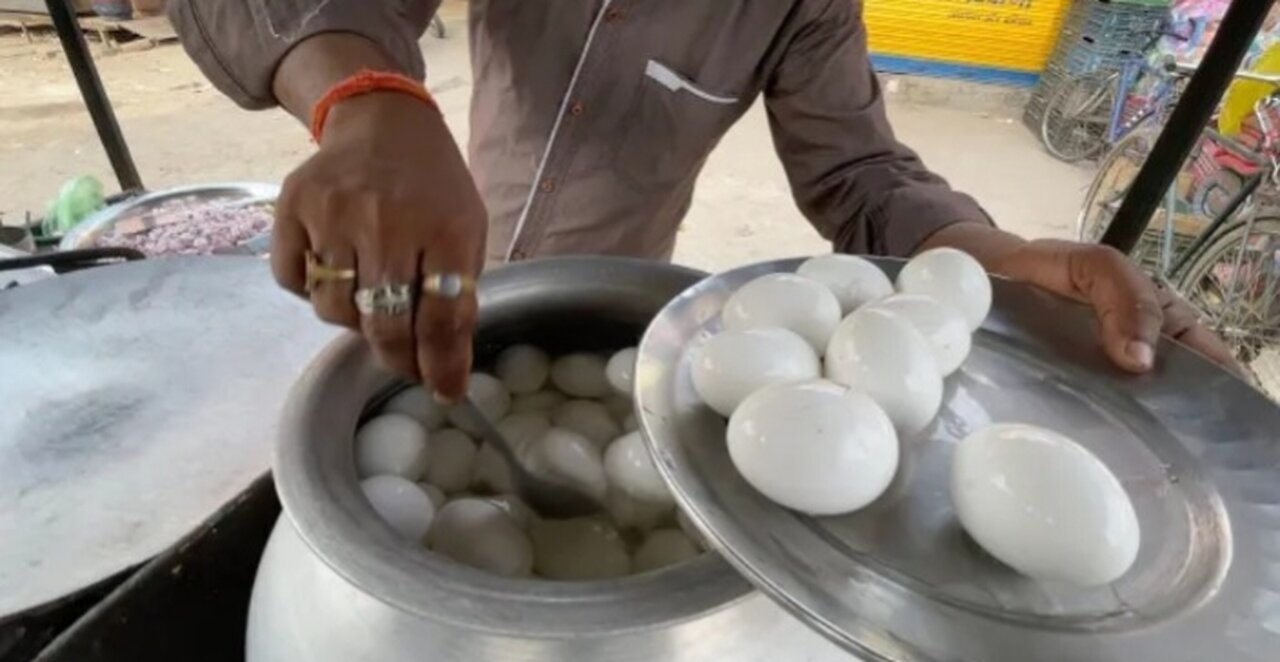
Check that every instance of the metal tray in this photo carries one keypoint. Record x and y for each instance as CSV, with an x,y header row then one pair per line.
x,y
85,234
1195,447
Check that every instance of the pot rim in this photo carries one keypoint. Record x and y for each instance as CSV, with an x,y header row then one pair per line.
x,y
316,480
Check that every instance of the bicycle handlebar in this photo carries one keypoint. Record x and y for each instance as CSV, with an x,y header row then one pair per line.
x,y
1269,79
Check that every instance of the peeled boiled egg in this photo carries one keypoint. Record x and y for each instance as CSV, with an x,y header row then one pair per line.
x,y
788,301
816,446
630,424
489,396
569,458
391,444
581,375
855,281
522,368
515,507
588,418
882,354
491,471
419,405
524,428
731,365
630,468
942,326
628,512
661,548
435,494
952,277
453,455
583,548
401,504
620,407
478,533
542,401
1044,505
621,370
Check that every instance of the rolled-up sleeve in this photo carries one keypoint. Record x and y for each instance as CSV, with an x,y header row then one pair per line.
x,y
861,188
239,43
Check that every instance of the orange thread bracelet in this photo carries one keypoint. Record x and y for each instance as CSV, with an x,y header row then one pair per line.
x,y
364,82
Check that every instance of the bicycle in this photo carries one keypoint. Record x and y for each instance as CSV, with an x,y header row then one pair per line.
x,y
1228,268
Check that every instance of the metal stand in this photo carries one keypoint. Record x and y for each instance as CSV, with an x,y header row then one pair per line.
x,y
1236,33
95,97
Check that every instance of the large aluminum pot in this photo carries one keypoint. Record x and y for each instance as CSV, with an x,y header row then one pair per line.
x,y
335,584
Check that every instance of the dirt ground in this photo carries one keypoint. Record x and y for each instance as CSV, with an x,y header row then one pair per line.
x,y
182,131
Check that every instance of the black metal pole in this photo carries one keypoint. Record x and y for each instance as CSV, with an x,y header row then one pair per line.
x,y
95,97
1204,91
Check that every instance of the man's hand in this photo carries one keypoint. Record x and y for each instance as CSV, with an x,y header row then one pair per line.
x,y
1132,311
388,195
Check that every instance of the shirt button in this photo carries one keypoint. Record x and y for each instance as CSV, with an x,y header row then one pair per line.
x,y
612,15
576,108
548,185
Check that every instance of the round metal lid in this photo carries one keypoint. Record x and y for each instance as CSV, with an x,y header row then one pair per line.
x,y
138,399
1196,448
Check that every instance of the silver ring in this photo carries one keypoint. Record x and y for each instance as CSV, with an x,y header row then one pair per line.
x,y
447,285
384,300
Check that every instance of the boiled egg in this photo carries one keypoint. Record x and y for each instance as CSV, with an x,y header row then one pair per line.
x,y
416,403
942,326
491,471
588,418
453,455
514,506
542,401
661,548
630,424
522,368
478,533
434,493
401,504
816,447
621,370
489,396
582,548
581,375
523,428
855,281
788,301
630,468
391,444
569,458
882,354
1044,505
620,407
952,277
628,512
731,365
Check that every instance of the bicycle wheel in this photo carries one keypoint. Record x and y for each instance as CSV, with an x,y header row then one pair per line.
x,y
1235,285
1076,117
1109,188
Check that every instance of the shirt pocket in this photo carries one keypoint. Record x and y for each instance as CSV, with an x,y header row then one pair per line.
x,y
673,124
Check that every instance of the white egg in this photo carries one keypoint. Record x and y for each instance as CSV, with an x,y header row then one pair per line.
x,y
620,407
855,281
491,471
522,368
453,456
400,503
489,396
419,405
691,530
952,277
542,401
514,506
731,365
788,301
581,375
942,326
630,424
569,458
391,444
628,512
817,447
584,548
436,495
588,418
621,371
523,428
482,535
1044,505
662,548
882,354
630,468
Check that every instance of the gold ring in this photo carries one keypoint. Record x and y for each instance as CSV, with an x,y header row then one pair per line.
x,y
319,272
447,285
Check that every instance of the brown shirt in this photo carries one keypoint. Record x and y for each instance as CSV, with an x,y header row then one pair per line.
x,y
590,119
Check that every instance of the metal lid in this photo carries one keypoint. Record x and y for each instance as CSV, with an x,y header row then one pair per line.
x,y
1195,448
138,399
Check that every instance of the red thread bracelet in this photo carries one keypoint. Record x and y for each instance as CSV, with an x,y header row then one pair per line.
x,y
364,82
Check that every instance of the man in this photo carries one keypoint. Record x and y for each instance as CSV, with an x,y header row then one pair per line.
x,y
590,120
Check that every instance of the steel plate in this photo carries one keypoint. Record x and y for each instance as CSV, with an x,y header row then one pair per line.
x,y
138,399
1196,449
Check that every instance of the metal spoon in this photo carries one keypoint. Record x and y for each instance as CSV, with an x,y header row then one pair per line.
x,y
549,498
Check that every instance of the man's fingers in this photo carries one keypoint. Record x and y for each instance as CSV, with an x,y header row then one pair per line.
x,y
1182,324
390,333
1126,303
289,243
445,323
333,299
